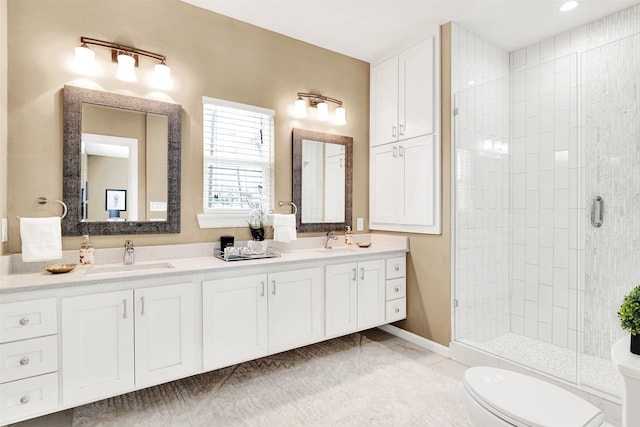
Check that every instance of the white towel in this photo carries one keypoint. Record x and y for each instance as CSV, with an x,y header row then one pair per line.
x,y
41,239
284,228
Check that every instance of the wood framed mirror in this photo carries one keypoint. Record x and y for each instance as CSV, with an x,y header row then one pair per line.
x,y
322,180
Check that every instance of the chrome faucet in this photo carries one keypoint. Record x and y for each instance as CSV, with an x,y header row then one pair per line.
x,y
330,238
128,253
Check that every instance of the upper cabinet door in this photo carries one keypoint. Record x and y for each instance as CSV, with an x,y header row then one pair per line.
x,y
384,102
417,90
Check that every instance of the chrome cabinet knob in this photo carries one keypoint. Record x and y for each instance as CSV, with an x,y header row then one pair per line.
x,y
397,268
24,321
396,289
397,310
24,361
25,399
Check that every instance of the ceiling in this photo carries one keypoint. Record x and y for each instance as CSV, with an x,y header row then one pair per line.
x,y
370,30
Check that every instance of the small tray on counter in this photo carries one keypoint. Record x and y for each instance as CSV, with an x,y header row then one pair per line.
x,y
270,253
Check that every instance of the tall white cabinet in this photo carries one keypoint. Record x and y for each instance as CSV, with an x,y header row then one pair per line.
x,y
405,170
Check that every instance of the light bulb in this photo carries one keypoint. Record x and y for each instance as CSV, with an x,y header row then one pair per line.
x,y
85,59
161,75
126,68
323,111
300,108
341,116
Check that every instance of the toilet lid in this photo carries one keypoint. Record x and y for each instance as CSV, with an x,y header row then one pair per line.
x,y
527,401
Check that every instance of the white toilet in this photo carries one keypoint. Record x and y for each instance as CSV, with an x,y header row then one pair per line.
x,y
496,397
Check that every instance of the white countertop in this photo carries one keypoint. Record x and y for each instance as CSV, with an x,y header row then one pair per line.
x,y
174,260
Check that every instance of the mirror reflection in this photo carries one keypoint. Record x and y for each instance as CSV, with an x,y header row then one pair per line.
x,y
121,164
322,180
123,150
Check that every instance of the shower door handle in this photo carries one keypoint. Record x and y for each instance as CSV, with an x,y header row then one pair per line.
x,y
597,210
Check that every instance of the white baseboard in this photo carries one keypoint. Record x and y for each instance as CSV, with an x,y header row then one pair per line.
x,y
417,340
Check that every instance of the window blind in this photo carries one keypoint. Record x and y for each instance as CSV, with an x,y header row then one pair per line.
x,y
238,157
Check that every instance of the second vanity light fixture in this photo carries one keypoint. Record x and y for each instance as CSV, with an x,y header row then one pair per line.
x,y
320,103
125,56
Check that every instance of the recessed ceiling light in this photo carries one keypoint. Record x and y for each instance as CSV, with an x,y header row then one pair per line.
x,y
570,5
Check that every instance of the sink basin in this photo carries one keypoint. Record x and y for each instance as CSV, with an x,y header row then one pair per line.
x,y
333,251
122,269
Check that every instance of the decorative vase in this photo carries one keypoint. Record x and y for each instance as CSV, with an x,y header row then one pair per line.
x,y
257,233
257,247
635,344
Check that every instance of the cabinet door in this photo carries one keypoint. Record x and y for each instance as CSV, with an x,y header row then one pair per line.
x,y
420,169
164,333
97,346
296,308
234,320
384,102
417,90
341,299
371,294
386,178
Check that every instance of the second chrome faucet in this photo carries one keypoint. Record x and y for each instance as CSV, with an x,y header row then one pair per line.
x,y
129,258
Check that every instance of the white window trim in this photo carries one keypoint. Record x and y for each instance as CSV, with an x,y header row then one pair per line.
x,y
232,220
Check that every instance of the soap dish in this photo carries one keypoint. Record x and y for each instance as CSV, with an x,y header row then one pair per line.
x,y
363,244
56,269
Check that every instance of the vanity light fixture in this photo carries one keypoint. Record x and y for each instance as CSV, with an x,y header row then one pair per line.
x,y
127,58
320,102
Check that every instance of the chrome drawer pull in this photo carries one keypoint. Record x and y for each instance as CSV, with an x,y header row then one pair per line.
x,y
396,268
397,310
24,361
396,289
25,399
142,303
262,289
355,275
24,321
361,273
274,287
597,209
124,305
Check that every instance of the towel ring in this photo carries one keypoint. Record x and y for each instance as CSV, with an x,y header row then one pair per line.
x,y
44,201
295,208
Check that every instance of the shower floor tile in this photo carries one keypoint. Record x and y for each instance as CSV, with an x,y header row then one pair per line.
x,y
596,373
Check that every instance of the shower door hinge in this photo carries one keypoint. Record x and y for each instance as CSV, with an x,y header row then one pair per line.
x,y
455,111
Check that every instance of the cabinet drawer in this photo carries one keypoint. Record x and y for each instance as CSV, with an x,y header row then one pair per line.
x,y
396,288
396,310
22,359
396,267
28,319
25,398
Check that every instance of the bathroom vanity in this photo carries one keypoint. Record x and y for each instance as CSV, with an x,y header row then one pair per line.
x,y
74,338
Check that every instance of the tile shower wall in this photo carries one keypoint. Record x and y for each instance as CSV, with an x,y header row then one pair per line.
x,y
544,142
610,134
481,90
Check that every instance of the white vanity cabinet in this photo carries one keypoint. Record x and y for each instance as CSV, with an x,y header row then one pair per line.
x,y
114,342
28,359
403,95
234,320
250,316
355,296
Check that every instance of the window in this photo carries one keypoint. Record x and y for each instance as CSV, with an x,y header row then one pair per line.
x,y
238,162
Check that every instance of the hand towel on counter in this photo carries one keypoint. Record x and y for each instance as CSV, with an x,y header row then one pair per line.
x,y
284,228
41,239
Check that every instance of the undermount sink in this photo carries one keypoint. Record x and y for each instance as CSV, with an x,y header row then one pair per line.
x,y
118,269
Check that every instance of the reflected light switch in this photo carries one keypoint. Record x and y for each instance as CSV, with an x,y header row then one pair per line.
x,y
158,206
360,224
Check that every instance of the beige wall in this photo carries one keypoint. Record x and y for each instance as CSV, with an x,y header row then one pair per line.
x,y
214,56
429,262
209,54
3,115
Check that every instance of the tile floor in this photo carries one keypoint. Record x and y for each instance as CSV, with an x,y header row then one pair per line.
x,y
437,362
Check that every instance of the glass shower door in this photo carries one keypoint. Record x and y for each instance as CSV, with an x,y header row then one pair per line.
x,y
610,221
